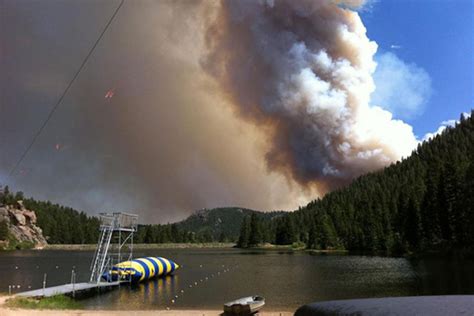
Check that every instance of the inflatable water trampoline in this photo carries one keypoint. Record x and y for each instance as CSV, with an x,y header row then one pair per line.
x,y
140,269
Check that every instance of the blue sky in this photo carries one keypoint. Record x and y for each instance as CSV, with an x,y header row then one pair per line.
x,y
435,37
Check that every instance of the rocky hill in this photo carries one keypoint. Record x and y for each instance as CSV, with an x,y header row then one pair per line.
x,y
18,228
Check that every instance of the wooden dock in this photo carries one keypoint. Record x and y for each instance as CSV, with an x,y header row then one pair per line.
x,y
76,289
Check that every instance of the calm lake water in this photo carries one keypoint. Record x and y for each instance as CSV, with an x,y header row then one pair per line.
x,y
287,280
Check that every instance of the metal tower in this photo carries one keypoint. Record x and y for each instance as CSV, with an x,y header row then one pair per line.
x,y
115,242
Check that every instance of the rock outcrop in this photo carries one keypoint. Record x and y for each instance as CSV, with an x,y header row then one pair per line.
x,y
21,224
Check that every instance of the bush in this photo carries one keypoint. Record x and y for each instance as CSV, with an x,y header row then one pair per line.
x,y
3,230
298,245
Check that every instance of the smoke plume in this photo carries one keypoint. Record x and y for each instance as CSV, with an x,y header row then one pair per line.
x,y
280,114
142,129
304,69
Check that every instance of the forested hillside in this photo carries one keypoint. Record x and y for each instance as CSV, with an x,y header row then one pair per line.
x,y
208,225
424,202
64,225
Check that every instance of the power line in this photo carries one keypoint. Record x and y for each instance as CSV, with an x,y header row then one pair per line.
x,y
55,107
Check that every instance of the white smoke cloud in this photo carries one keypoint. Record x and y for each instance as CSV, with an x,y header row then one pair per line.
x,y
307,67
403,89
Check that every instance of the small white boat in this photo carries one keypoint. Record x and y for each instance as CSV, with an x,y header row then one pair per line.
x,y
244,306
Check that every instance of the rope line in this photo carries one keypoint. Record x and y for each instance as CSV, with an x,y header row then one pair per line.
x,y
58,103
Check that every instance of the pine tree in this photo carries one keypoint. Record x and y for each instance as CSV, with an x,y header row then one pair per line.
x,y
244,237
255,236
312,238
285,231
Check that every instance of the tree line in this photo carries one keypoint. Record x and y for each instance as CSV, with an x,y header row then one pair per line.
x,y
424,202
172,233
65,225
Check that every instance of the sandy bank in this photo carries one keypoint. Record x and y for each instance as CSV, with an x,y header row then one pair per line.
x,y
28,312
31,312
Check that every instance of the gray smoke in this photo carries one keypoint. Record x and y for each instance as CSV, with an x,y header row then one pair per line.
x,y
305,69
171,139
165,144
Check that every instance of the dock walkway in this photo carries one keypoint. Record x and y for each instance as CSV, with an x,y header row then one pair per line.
x,y
70,289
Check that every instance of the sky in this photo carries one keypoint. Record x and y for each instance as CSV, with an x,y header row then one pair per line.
x,y
437,36
152,126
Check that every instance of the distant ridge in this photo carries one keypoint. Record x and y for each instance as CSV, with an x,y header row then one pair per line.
x,y
222,221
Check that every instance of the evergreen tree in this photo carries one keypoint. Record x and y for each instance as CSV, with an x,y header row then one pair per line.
x,y
285,231
312,238
255,235
244,237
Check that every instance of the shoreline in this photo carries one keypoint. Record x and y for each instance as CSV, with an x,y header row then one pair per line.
x,y
441,252
82,312
212,245
8,311
92,247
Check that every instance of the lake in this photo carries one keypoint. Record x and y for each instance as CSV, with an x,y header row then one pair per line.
x,y
209,277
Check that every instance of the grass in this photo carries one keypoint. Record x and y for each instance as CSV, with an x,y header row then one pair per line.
x,y
54,302
13,244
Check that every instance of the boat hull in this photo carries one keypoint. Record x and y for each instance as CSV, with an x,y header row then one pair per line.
x,y
244,306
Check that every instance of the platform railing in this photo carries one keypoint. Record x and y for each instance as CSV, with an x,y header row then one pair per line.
x,y
119,221
109,223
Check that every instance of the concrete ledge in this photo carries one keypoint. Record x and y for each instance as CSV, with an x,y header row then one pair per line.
x,y
410,305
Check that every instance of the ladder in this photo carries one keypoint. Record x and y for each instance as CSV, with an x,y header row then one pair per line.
x,y
100,256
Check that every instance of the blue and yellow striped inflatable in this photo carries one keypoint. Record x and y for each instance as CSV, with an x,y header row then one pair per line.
x,y
141,269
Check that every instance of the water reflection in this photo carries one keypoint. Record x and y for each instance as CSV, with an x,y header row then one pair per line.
x,y
286,280
436,277
156,293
